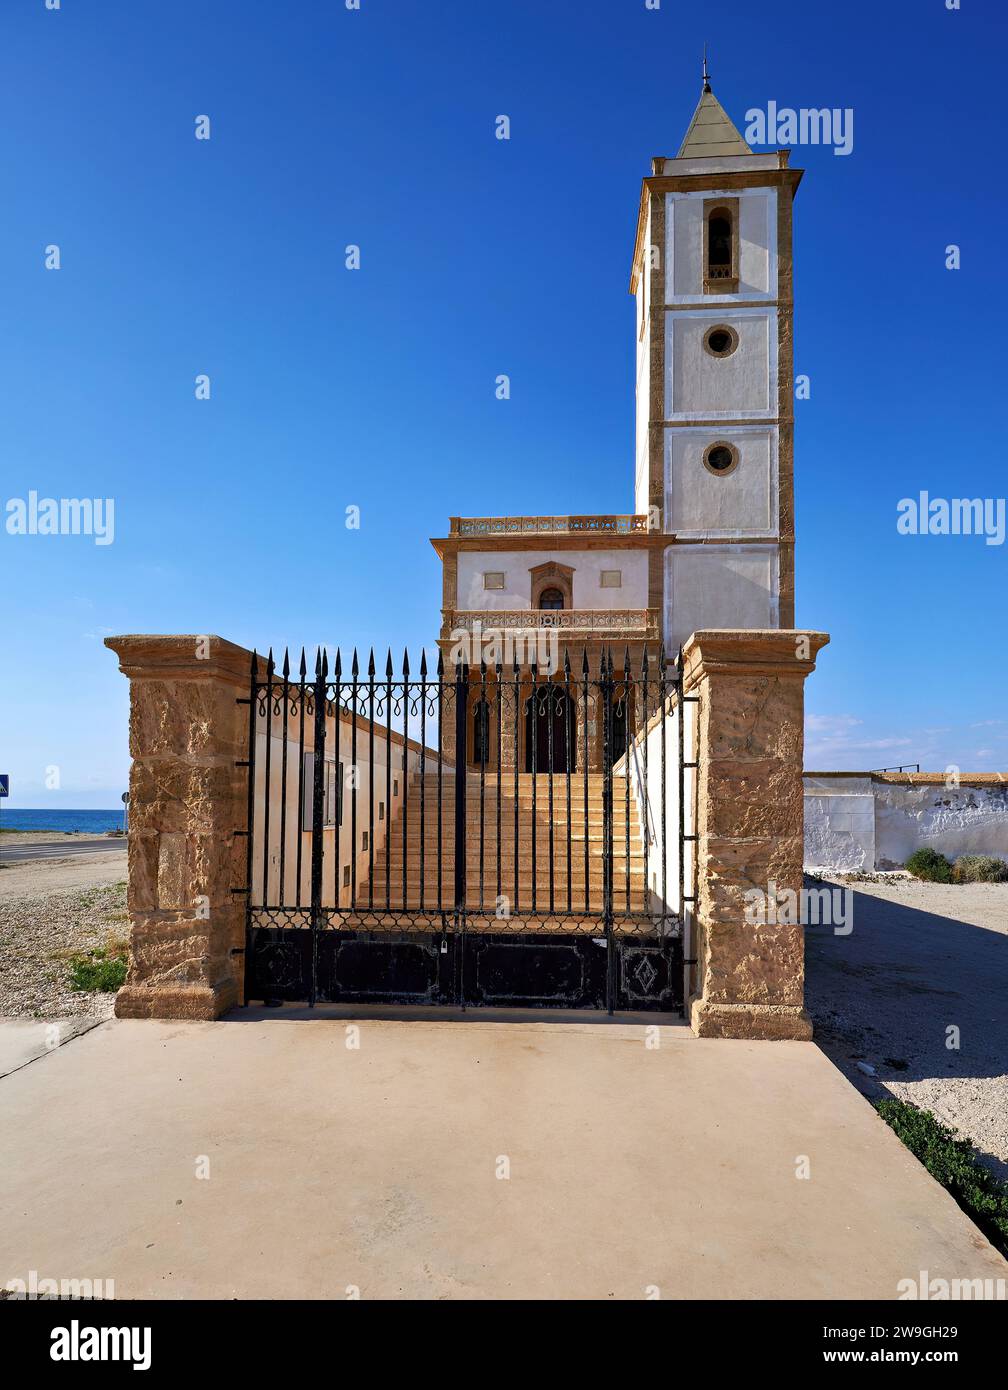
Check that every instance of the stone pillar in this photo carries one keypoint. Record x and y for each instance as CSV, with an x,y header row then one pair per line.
x,y
750,809
187,798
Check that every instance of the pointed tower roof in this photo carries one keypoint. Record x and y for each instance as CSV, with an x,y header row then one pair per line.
x,y
711,132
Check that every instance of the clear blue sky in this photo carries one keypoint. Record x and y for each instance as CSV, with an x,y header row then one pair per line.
x,y
376,388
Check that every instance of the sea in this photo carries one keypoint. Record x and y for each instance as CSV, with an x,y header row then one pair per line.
x,y
91,822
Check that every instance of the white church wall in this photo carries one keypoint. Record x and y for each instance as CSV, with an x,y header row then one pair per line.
x,y
719,586
741,503
643,384
757,244
702,387
587,586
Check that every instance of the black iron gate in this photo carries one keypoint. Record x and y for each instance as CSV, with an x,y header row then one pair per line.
x,y
404,845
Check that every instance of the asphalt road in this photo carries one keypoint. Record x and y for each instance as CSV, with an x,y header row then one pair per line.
x,y
24,851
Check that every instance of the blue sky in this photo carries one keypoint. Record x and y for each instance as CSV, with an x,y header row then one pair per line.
x,y
375,388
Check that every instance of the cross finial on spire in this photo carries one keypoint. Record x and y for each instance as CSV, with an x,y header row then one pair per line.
x,y
706,74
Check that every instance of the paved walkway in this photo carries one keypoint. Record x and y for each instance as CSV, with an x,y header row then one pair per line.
x,y
377,1168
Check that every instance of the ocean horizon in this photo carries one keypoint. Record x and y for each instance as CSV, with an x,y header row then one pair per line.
x,y
67,821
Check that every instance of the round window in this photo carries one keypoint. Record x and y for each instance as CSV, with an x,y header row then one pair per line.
x,y
720,341
720,458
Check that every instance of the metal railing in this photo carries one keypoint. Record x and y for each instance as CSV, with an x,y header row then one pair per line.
x,y
640,621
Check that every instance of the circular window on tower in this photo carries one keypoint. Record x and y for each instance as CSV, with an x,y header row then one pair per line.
x,y
720,459
720,341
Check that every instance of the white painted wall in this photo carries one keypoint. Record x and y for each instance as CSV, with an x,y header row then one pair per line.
x,y
711,586
663,877
699,386
371,782
757,244
865,824
742,503
643,375
586,564
839,824
962,820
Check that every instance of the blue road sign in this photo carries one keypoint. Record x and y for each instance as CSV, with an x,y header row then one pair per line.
x,y
4,784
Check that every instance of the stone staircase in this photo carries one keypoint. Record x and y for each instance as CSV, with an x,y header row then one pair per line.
x,y
532,862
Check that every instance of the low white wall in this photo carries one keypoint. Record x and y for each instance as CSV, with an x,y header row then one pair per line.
x,y
372,782
839,823
865,823
955,821
649,793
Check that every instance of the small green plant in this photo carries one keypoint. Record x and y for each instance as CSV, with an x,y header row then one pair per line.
x,y
929,865
979,868
953,1163
97,970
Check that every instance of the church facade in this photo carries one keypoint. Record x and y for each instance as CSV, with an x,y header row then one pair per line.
x,y
710,541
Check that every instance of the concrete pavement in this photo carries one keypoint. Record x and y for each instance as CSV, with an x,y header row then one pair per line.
x,y
460,1159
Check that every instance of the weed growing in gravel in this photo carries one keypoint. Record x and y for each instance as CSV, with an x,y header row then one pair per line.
x,y
97,970
953,1163
113,895
930,865
979,868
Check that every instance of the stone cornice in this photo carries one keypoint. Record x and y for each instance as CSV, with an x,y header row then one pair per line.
x,y
737,651
555,540
177,657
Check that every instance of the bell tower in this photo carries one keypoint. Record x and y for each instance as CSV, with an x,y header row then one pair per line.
x,y
714,459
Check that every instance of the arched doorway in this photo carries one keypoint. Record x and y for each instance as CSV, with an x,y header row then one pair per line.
x,y
551,599
549,731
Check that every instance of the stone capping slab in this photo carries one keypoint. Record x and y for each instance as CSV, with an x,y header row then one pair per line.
x,y
158,656
924,779
761,651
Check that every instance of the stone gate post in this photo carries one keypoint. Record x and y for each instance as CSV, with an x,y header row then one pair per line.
x,y
187,799
750,812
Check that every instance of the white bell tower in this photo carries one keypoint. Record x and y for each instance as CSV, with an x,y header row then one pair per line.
x,y
715,396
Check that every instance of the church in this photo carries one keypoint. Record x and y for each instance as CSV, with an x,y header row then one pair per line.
x,y
571,809
710,541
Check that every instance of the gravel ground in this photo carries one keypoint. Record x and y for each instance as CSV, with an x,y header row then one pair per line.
x,y
923,958
48,912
